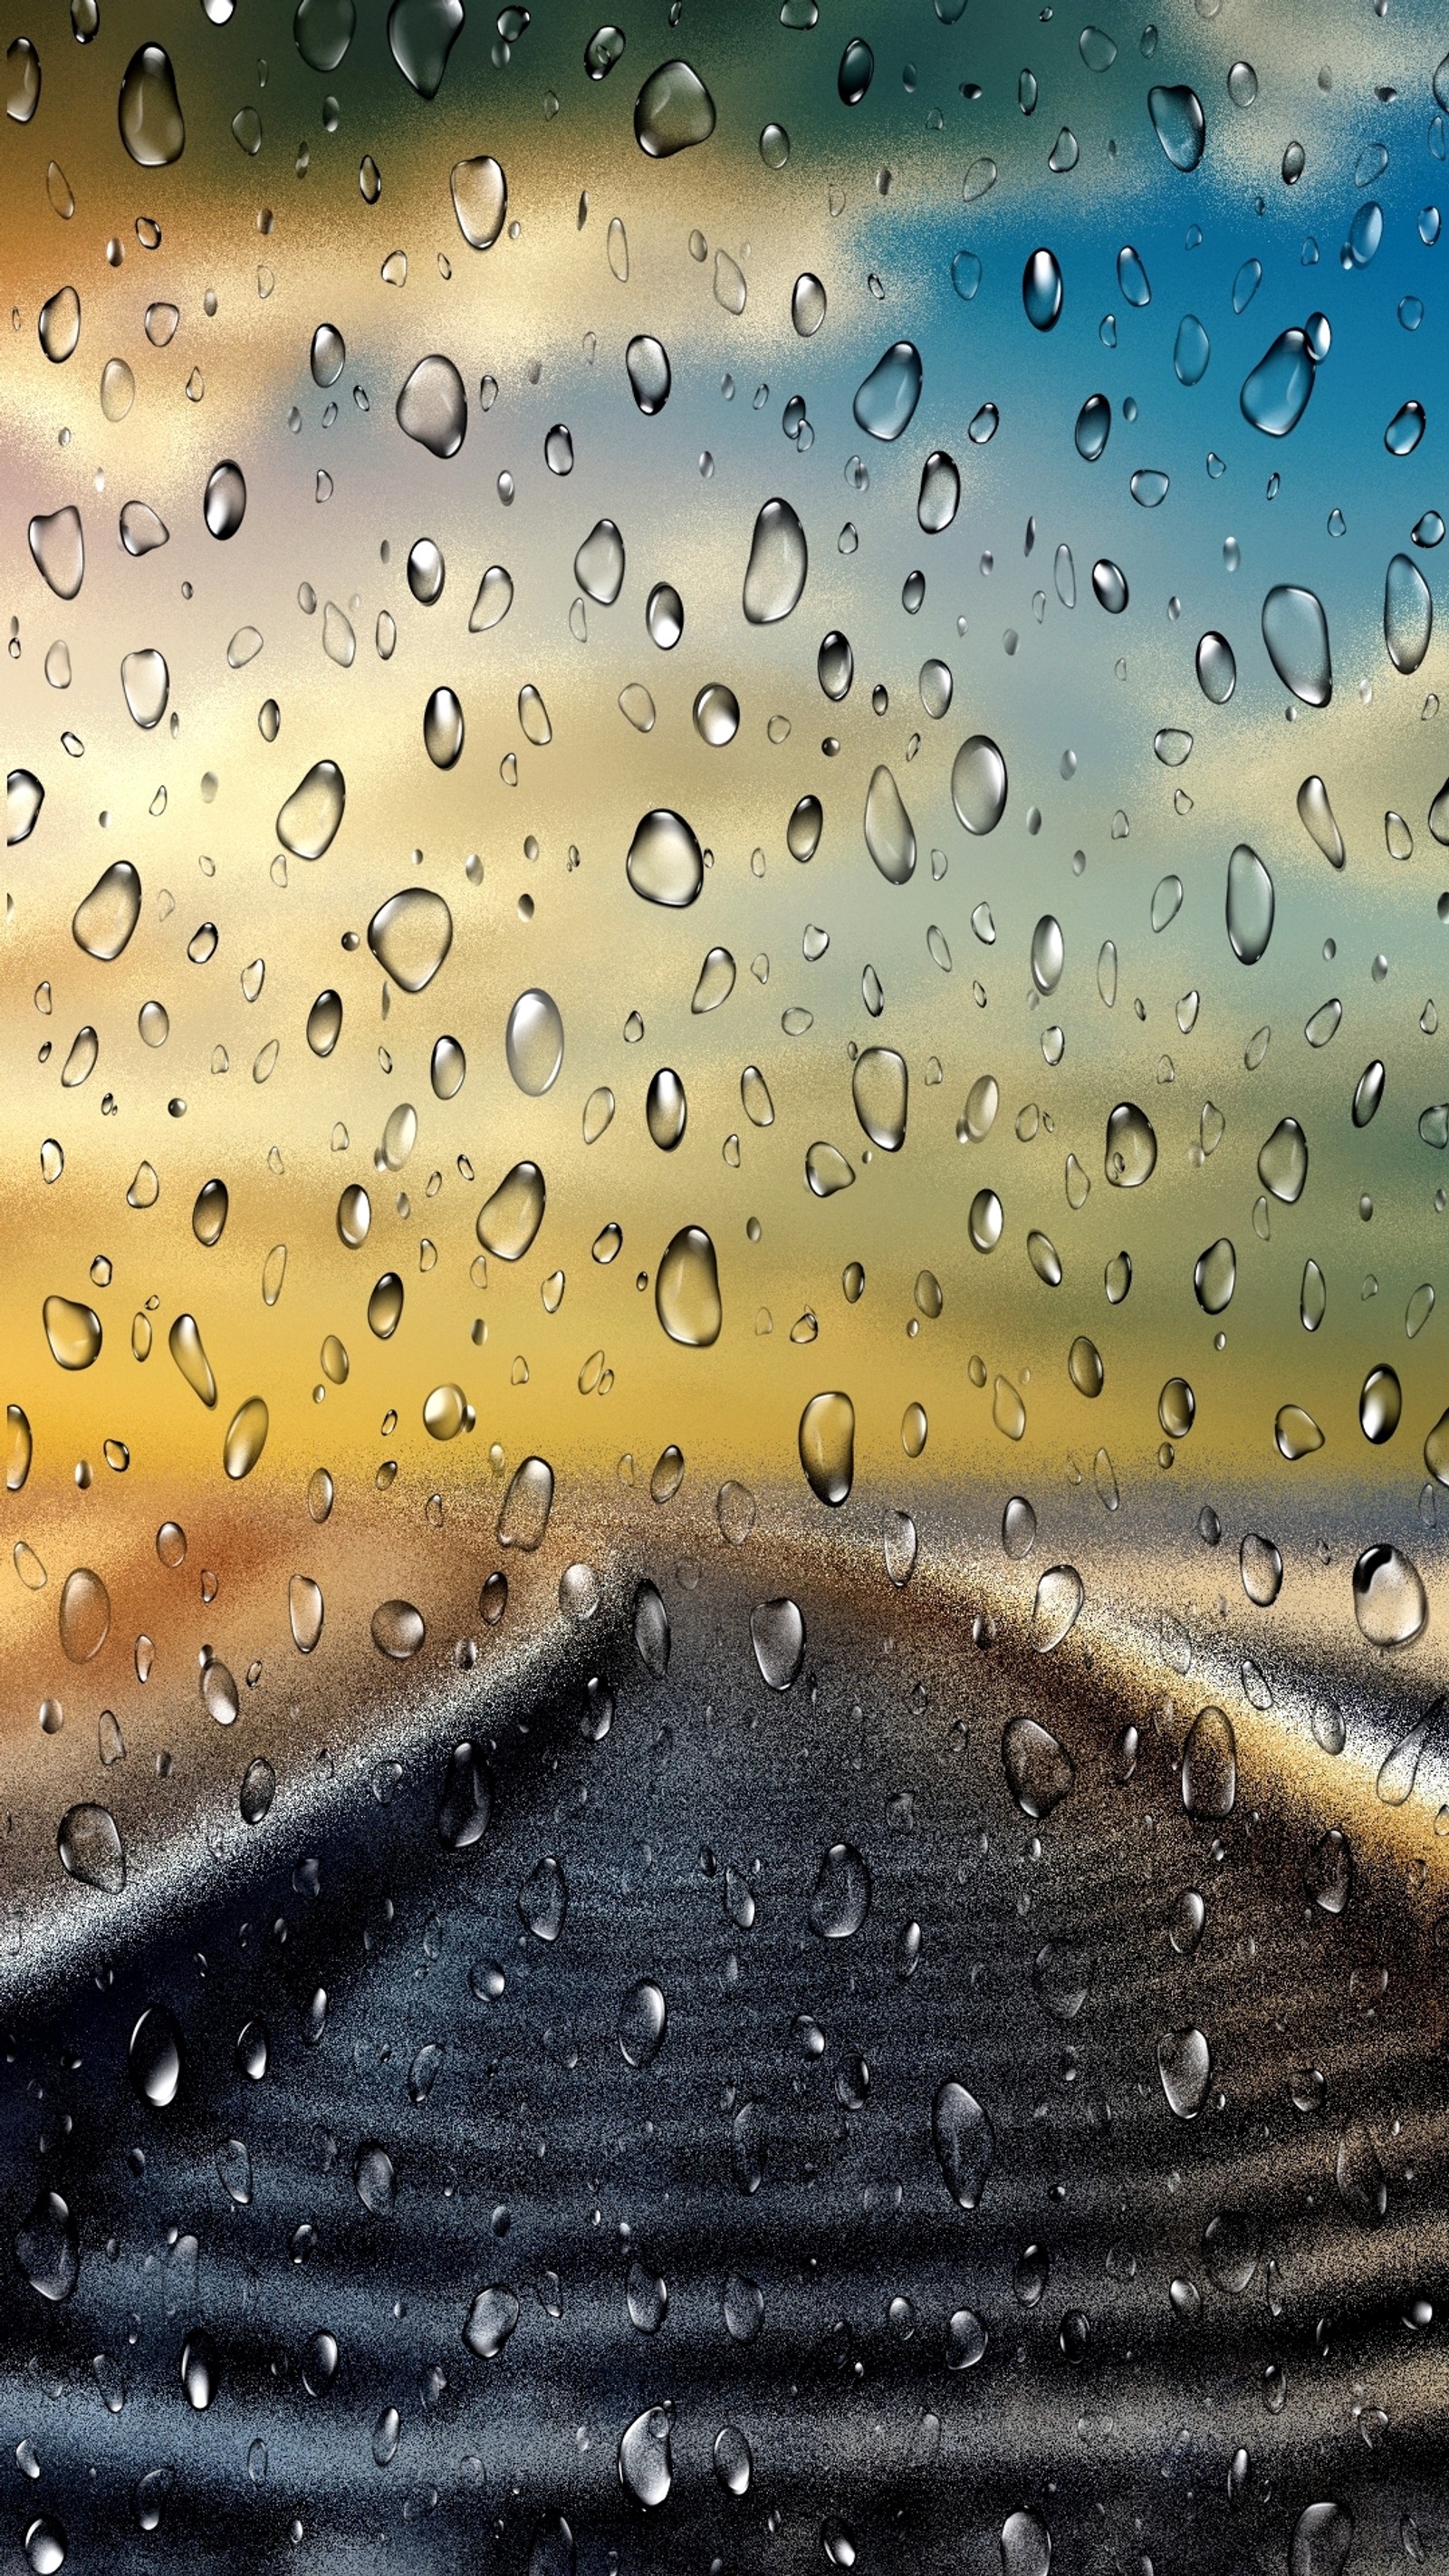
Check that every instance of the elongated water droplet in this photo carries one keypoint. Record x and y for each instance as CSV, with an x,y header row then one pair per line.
x,y
885,403
153,129
778,564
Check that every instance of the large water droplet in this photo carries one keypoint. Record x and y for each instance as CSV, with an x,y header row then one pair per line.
x,y
778,564
1184,2067
1039,1770
509,1220
224,504
432,407
308,822
153,2058
880,1088
153,129
1250,905
90,1848
73,1332
889,833
1275,393
1131,1151
777,1633
57,544
665,863
686,1289
885,403
410,935
107,916
421,35
146,685
827,1446
1283,1162
480,200
1408,614
47,2247
979,784
1178,123
964,2141
672,111
1295,631
646,2464
1041,290
1389,1600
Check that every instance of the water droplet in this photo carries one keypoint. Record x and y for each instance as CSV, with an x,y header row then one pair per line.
x,y
889,833
1184,2067
1041,292
646,2464
90,1849
410,935
686,1289
1275,393
225,500
1250,905
398,1630
777,1633
1295,631
807,305
432,407
646,364
1179,125
1039,1771
880,1088
885,403
480,200
1408,614
665,863
105,919
246,1437
47,2247
673,111
146,685
827,1446
154,2057
57,544
153,129
964,2141
73,1332
1389,1600
1283,1162
1131,1151
778,564
534,1042
308,822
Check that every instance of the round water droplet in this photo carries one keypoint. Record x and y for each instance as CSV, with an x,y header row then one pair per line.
x,y
665,863
672,112
534,1042
432,407
646,364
